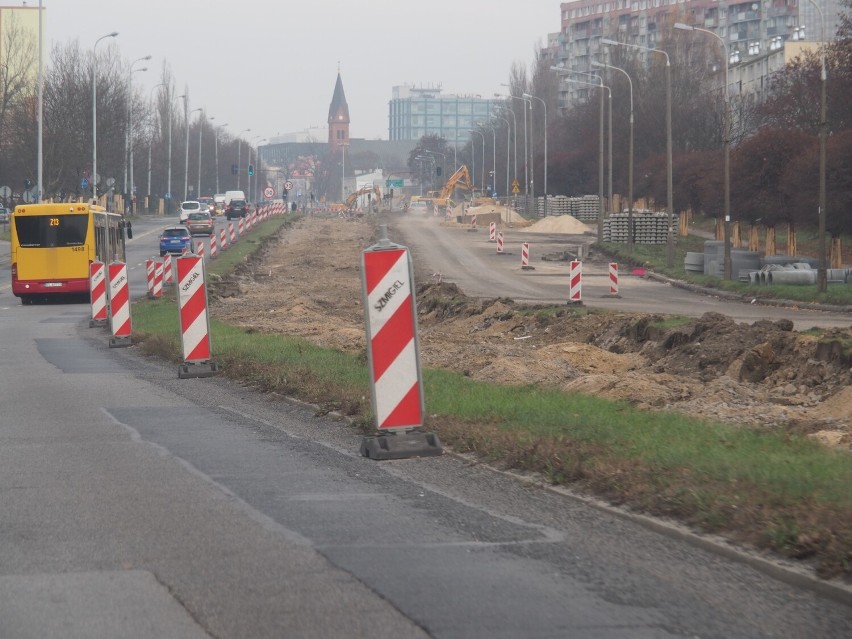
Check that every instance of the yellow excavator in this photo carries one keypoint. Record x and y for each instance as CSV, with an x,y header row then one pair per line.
x,y
375,200
458,180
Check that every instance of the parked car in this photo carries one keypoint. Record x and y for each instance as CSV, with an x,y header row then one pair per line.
x,y
190,206
236,208
5,216
176,240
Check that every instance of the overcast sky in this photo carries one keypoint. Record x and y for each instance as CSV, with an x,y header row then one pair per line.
x,y
270,66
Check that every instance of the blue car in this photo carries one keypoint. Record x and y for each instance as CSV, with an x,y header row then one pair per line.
x,y
176,240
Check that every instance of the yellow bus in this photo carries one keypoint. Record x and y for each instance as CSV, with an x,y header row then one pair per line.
x,y
52,246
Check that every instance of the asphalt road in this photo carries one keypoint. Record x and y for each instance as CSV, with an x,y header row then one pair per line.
x,y
470,260
136,504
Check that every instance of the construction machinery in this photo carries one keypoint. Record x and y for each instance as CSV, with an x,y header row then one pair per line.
x,y
375,198
458,180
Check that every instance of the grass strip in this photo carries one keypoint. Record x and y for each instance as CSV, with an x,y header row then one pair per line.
x,y
771,490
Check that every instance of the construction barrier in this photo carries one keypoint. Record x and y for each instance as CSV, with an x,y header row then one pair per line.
x,y
157,291
168,278
119,287
613,279
394,354
575,293
199,248
473,222
492,231
223,239
97,294
499,242
241,226
149,271
525,255
213,249
194,319
232,232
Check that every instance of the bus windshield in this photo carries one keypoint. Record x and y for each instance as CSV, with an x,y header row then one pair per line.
x,y
51,231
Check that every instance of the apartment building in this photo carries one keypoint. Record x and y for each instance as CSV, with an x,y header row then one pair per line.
x,y
761,35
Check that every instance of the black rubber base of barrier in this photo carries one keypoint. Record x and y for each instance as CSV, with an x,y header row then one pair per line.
x,y
190,370
528,268
120,342
93,323
401,445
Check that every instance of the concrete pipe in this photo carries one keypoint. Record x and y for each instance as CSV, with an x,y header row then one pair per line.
x,y
792,277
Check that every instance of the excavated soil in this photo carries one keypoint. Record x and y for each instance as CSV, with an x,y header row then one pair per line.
x,y
764,375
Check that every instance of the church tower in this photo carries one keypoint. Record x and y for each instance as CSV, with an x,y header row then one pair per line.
x,y
338,118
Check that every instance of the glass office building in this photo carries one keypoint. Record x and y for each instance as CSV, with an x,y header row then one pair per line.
x,y
415,112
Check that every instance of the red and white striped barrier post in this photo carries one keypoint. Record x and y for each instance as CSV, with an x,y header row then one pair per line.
x,y
199,248
525,255
394,354
473,223
575,292
241,226
223,239
97,294
499,242
492,231
194,319
120,305
168,278
232,232
213,248
613,279
149,271
157,291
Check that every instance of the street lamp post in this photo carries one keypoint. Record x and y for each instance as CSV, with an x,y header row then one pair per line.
x,y
599,85
95,115
526,156
239,153
128,138
508,144
254,145
822,266
669,167
544,107
200,129
727,145
186,161
216,153
473,157
515,143
343,146
493,154
150,146
630,152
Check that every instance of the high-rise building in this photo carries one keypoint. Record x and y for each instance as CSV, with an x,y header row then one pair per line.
x,y
758,33
19,39
415,112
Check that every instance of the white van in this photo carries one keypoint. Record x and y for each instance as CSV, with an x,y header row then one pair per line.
x,y
234,195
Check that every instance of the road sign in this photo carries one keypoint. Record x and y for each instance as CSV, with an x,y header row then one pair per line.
x,y
168,196
84,184
5,191
288,185
269,193
395,183
516,187
29,196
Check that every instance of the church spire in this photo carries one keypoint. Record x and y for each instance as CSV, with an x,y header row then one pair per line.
x,y
338,115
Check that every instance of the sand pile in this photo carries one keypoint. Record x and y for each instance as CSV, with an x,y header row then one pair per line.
x,y
559,224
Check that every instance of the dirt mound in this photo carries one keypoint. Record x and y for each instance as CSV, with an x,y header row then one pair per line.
x,y
559,224
764,375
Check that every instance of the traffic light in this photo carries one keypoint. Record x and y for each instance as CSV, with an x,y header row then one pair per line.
x,y
234,169
251,169
438,171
